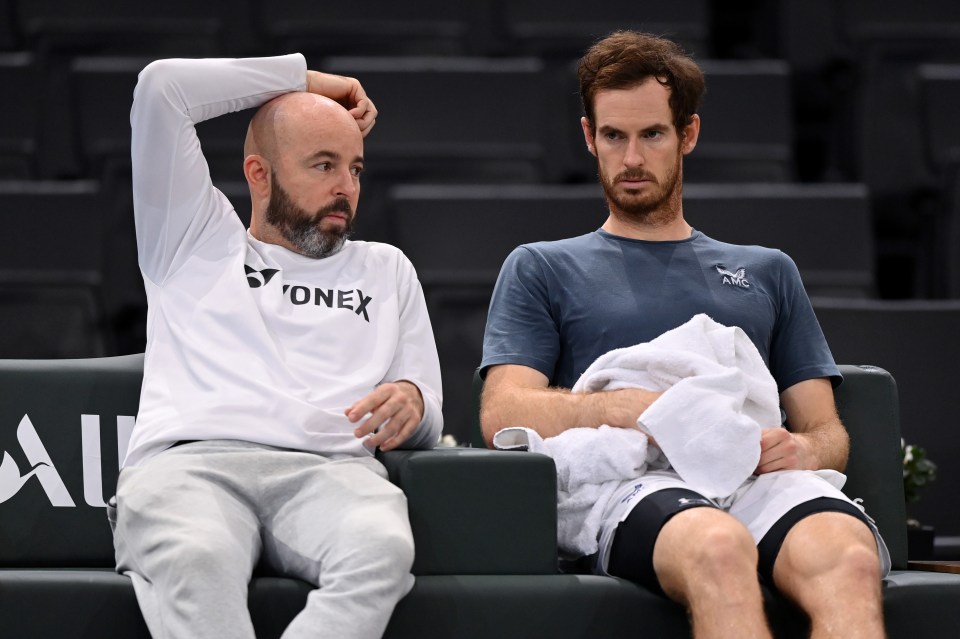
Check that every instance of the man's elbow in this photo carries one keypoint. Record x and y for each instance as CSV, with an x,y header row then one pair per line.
x,y
491,418
157,81
487,427
154,74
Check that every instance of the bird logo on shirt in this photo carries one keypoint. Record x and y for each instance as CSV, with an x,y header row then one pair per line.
x,y
738,278
256,278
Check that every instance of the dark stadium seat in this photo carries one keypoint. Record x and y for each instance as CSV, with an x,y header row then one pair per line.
x,y
374,27
746,131
889,40
940,98
916,341
826,228
171,27
101,97
566,28
8,34
19,121
449,120
463,118
459,235
806,35
457,238
51,270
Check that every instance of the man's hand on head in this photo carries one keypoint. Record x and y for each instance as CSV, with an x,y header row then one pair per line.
x,y
348,92
395,408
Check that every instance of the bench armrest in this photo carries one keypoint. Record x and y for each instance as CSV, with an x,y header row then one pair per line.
x,y
477,511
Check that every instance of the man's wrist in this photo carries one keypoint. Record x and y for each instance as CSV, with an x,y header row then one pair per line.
x,y
415,392
806,452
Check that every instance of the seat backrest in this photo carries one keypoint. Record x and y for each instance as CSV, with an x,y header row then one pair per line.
x,y
453,116
101,93
378,27
59,226
916,340
461,234
940,95
51,270
566,29
457,238
868,404
746,124
872,20
890,40
20,76
64,424
826,228
171,27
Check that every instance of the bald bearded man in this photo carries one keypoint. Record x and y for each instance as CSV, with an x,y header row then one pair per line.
x,y
278,359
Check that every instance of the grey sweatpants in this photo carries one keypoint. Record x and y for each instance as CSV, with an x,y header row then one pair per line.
x,y
192,522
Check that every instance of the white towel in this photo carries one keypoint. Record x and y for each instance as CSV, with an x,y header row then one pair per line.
x,y
718,395
592,464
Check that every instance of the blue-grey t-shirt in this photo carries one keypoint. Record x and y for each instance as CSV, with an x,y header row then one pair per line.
x,y
558,306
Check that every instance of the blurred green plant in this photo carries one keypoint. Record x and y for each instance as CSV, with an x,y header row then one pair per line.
x,y
918,471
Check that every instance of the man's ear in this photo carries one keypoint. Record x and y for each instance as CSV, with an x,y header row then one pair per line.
x,y
691,133
589,135
257,171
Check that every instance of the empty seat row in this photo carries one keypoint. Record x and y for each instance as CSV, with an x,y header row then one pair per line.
x,y
435,27
859,97
825,228
454,119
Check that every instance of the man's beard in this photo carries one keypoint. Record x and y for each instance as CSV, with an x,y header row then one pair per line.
x,y
302,228
659,206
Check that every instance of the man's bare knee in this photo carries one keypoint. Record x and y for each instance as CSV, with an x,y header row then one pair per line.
x,y
702,546
829,542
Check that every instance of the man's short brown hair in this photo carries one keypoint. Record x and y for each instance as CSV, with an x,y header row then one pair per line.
x,y
625,59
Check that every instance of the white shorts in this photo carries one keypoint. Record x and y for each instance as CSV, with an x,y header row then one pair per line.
x,y
759,503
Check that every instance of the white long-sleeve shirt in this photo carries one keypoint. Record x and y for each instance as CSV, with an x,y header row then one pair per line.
x,y
247,340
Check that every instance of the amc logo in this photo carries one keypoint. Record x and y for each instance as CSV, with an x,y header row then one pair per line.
x,y
44,470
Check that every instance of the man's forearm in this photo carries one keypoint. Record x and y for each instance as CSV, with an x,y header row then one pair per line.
x,y
827,446
550,411
812,418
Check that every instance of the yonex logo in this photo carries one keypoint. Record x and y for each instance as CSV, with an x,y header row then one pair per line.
x,y
352,300
256,278
739,278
